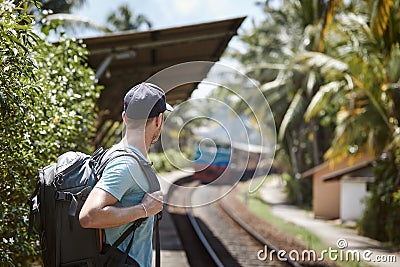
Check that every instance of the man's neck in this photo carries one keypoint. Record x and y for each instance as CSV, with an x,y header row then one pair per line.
x,y
137,139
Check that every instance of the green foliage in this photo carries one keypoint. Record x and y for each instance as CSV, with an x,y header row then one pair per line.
x,y
123,19
381,219
61,6
47,104
299,191
168,160
323,67
284,57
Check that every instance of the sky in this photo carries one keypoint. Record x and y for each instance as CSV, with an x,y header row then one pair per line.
x,y
172,13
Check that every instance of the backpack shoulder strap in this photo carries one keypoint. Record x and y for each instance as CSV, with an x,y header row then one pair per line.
x,y
148,171
154,186
124,235
158,217
144,165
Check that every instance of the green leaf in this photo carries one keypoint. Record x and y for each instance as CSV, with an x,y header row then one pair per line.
x,y
320,99
296,106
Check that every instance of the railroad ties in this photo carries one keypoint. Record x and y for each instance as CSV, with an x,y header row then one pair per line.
x,y
209,234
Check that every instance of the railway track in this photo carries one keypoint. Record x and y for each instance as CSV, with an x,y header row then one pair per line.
x,y
196,252
253,233
212,235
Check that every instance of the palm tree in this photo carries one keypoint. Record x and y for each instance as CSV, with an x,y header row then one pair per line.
x,y
282,42
369,115
366,40
315,78
52,14
367,88
59,11
123,19
297,27
61,6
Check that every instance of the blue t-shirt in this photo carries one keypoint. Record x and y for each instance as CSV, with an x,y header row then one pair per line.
x,y
124,179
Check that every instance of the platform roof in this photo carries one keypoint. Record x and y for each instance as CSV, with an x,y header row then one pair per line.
x,y
127,58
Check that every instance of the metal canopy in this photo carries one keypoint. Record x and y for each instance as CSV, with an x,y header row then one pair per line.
x,y
124,59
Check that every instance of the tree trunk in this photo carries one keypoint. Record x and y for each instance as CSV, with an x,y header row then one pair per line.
x,y
315,143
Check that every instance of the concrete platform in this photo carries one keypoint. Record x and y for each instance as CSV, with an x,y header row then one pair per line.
x,y
331,234
172,252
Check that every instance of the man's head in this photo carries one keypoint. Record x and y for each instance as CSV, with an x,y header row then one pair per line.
x,y
145,101
144,105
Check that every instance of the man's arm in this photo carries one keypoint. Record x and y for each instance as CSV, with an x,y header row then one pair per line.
x,y
99,210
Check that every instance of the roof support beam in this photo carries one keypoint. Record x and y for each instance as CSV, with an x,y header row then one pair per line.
x,y
156,44
107,61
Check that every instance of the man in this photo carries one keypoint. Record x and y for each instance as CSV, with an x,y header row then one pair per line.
x,y
120,197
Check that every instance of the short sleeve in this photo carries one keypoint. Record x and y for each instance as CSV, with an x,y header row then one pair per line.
x,y
118,177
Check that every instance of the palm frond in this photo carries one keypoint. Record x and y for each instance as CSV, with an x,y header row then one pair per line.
x,y
330,12
311,81
344,138
393,66
265,65
376,102
279,81
320,99
380,16
295,111
71,19
323,61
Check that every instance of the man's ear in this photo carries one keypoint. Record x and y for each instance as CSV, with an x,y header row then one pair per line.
x,y
159,120
123,115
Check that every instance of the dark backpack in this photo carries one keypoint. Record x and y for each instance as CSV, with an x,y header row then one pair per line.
x,y
57,200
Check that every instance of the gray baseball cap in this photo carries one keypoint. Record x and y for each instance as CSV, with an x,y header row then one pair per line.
x,y
145,100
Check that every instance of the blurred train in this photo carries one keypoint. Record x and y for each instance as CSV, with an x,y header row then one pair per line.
x,y
210,162
228,163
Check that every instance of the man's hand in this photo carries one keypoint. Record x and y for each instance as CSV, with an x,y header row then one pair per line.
x,y
153,203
